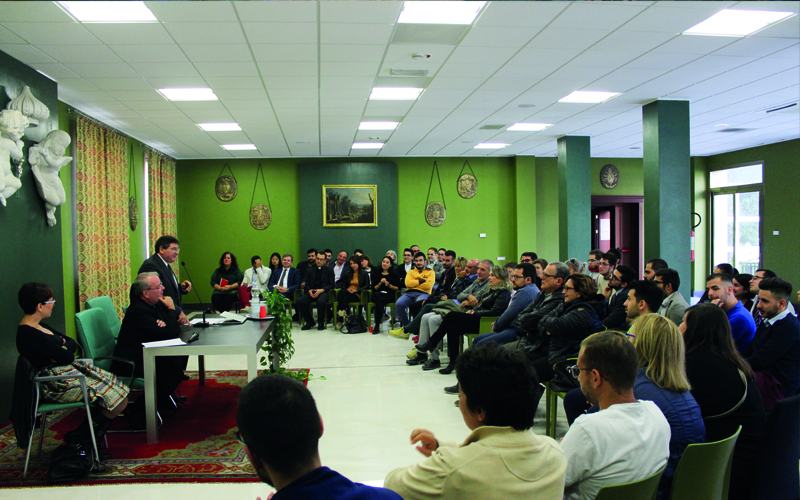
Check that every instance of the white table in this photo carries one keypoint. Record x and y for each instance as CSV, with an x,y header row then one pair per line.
x,y
246,339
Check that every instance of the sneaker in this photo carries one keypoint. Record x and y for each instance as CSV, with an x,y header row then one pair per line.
x,y
431,364
411,354
453,389
420,358
399,333
415,339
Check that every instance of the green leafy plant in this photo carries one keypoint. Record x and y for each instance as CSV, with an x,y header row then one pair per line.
x,y
279,345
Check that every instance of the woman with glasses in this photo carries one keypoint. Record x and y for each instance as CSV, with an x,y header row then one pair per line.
x,y
723,385
456,323
53,353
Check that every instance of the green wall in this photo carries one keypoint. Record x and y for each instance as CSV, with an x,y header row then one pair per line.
x,y
31,247
631,178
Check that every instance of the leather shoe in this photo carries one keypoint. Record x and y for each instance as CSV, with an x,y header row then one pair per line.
x,y
431,364
308,326
453,389
424,347
322,326
418,359
447,371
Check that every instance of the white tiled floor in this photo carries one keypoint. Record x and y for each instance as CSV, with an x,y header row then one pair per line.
x,y
369,404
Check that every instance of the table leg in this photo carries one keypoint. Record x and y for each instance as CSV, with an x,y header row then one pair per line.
x,y
201,368
252,365
150,396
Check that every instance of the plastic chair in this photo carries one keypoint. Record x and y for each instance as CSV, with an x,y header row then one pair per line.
x,y
370,304
775,475
704,470
645,489
42,408
331,303
551,406
105,304
486,327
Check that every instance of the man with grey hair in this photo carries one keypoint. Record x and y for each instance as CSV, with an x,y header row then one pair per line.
x,y
150,317
551,295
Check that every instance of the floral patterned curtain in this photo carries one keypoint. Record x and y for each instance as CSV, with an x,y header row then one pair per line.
x,y
102,196
161,199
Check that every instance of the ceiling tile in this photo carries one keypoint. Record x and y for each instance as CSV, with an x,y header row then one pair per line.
x,y
55,33
213,52
288,69
675,20
460,70
135,95
292,93
205,32
560,38
7,37
545,57
484,55
581,15
240,94
352,82
348,68
163,70
366,34
174,82
80,53
230,82
757,46
499,36
365,12
520,14
665,61
54,71
202,11
603,58
402,52
690,44
286,52
234,69
284,12
291,82
149,53
130,34
76,84
280,33
41,12
110,70
26,53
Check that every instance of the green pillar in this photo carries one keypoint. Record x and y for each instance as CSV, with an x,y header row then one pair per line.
x,y
525,206
574,197
667,186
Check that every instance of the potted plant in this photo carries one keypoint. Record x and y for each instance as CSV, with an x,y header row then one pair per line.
x,y
279,345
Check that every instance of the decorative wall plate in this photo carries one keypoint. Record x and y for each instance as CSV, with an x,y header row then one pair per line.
x,y
226,188
467,185
609,176
435,214
260,216
133,213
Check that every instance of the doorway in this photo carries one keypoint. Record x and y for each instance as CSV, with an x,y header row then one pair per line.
x,y
617,222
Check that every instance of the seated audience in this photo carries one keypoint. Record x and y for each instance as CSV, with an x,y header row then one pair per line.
x,y
287,279
319,283
723,384
774,353
392,254
404,267
593,269
419,284
350,285
719,269
504,330
617,293
226,280
720,292
456,323
568,324
385,286
280,428
339,265
502,457
274,261
652,267
53,353
644,297
741,290
754,281
303,266
527,257
328,256
605,269
256,280
674,305
540,265
433,262
534,344
627,439
575,266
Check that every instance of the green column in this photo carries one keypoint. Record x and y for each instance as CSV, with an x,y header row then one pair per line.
x,y
574,197
667,186
525,206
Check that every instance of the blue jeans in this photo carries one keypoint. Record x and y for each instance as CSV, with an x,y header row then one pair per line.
x,y
504,337
406,300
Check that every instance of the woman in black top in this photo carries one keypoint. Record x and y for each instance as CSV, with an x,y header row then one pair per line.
x,y
47,349
350,285
274,262
723,385
386,283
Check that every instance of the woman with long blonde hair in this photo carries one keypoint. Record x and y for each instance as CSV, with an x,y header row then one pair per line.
x,y
662,380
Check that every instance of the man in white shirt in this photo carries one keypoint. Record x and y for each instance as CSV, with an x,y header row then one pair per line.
x,y
339,264
257,277
627,440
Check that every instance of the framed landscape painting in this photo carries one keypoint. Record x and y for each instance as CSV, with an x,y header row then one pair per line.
x,y
349,206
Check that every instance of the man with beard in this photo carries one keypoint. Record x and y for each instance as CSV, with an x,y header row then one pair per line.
x,y
279,428
504,330
627,440
720,292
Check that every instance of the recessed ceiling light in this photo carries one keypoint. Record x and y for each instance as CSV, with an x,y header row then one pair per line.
x,y
528,127
239,147
109,12
588,96
729,22
197,94
378,125
721,125
395,93
491,145
367,145
440,12
219,127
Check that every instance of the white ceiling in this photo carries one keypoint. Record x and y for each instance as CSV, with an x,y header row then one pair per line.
x,y
297,75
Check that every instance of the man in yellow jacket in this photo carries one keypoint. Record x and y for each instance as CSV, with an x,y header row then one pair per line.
x,y
419,285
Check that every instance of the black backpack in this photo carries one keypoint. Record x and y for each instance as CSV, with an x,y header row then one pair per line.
x,y
355,324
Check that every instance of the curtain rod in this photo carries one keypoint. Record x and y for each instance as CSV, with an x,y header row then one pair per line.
x,y
116,131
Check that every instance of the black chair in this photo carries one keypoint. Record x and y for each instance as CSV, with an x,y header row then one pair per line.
x,y
775,474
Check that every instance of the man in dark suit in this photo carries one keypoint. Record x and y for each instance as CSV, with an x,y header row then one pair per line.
x,y
152,316
287,279
306,264
319,281
617,317
167,248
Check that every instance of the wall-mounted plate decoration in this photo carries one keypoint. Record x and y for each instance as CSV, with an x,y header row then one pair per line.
x,y
467,184
260,216
226,186
133,213
609,176
435,214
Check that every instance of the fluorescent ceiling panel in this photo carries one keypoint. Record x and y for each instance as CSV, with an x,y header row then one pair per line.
x,y
367,145
219,127
588,96
528,127
729,22
239,147
440,12
194,94
378,125
395,93
109,12
491,145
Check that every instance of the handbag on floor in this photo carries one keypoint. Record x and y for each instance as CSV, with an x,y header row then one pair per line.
x,y
71,462
355,323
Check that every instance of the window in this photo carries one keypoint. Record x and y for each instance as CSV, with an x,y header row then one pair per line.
x,y
736,217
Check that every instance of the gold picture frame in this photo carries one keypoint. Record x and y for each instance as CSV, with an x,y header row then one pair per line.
x,y
350,205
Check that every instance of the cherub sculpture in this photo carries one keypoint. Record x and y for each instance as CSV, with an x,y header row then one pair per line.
x,y
46,159
12,126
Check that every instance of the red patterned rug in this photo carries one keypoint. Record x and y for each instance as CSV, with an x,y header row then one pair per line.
x,y
197,444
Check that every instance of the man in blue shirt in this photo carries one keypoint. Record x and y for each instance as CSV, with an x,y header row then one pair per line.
x,y
504,330
279,428
720,292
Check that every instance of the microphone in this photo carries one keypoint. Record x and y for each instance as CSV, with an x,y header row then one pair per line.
x,y
204,324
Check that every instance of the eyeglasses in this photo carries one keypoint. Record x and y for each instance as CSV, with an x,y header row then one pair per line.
x,y
592,260
569,288
612,278
548,275
158,287
659,283
575,370
517,276
605,264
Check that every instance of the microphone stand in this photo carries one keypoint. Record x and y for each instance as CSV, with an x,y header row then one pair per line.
x,y
204,324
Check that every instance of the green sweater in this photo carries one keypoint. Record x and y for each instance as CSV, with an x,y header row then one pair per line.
x,y
232,275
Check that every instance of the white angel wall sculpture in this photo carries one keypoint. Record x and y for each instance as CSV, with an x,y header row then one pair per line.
x,y
46,159
12,127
